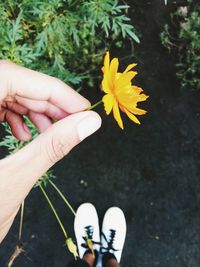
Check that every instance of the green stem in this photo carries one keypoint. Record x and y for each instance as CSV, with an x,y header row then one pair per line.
x,y
54,211
63,197
95,105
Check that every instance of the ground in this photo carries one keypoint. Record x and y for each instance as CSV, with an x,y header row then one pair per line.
x,y
150,171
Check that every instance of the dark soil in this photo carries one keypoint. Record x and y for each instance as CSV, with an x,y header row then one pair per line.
x,y
150,171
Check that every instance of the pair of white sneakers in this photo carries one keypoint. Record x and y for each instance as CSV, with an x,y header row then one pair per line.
x,y
110,240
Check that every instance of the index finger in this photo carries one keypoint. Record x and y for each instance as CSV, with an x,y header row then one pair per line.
x,y
18,80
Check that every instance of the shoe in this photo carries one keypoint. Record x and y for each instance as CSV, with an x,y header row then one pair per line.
x,y
113,234
86,228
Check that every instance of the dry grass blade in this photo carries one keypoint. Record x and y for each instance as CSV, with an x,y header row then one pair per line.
x,y
16,254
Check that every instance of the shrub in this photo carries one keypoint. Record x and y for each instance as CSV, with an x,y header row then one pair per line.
x,y
63,38
187,44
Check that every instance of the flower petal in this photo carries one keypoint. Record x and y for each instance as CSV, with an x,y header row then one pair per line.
x,y
129,67
106,62
72,247
105,84
136,111
137,89
124,79
131,116
114,68
117,115
108,101
142,98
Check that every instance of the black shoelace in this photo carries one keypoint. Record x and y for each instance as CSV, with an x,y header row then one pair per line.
x,y
109,248
89,235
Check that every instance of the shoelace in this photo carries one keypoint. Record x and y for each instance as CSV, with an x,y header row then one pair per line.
x,y
89,236
109,242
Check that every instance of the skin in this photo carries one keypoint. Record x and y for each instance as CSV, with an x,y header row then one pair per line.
x,y
59,114
89,258
112,263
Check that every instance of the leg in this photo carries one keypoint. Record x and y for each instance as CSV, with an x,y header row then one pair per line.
x,y
78,263
112,263
109,260
87,261
89,258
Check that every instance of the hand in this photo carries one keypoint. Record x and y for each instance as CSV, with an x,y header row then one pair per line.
x,y
44,100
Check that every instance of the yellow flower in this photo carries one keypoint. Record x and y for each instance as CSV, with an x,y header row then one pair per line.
x,y
90,245
120,93
72,247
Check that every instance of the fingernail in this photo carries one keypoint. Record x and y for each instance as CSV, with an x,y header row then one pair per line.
x,y
88,126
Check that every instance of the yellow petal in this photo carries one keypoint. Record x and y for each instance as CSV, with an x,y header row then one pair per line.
x,y
107,62
137,111
113,68
131,116
124,79
129,67
117,115
108,101
90,246
142,97
137,89
105,84
72,247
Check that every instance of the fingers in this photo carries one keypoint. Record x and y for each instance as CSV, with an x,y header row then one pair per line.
x,y
17,80
40,106
41,121
15,107
18,126
32,161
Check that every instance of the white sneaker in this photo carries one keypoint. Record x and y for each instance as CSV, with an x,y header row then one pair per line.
x,y
86,227
113,233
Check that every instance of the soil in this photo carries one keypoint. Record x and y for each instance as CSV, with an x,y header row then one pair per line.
x,y
150,171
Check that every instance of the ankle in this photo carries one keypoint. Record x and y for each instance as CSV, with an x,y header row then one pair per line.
x,y
108,258
89,258
112,262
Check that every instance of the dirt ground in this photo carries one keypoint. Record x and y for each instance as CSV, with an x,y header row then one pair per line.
x,y
150,171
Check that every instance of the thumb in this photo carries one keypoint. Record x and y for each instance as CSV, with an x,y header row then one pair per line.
x,y
31,162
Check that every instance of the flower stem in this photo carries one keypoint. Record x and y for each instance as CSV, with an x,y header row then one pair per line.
x,y
95,105
54,211
63,197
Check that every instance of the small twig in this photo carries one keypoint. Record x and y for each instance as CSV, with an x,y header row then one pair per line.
x,y
19,248
21,222
17,252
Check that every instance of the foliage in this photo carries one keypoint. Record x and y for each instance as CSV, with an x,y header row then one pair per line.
x,y
63,38
189,65
187,43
